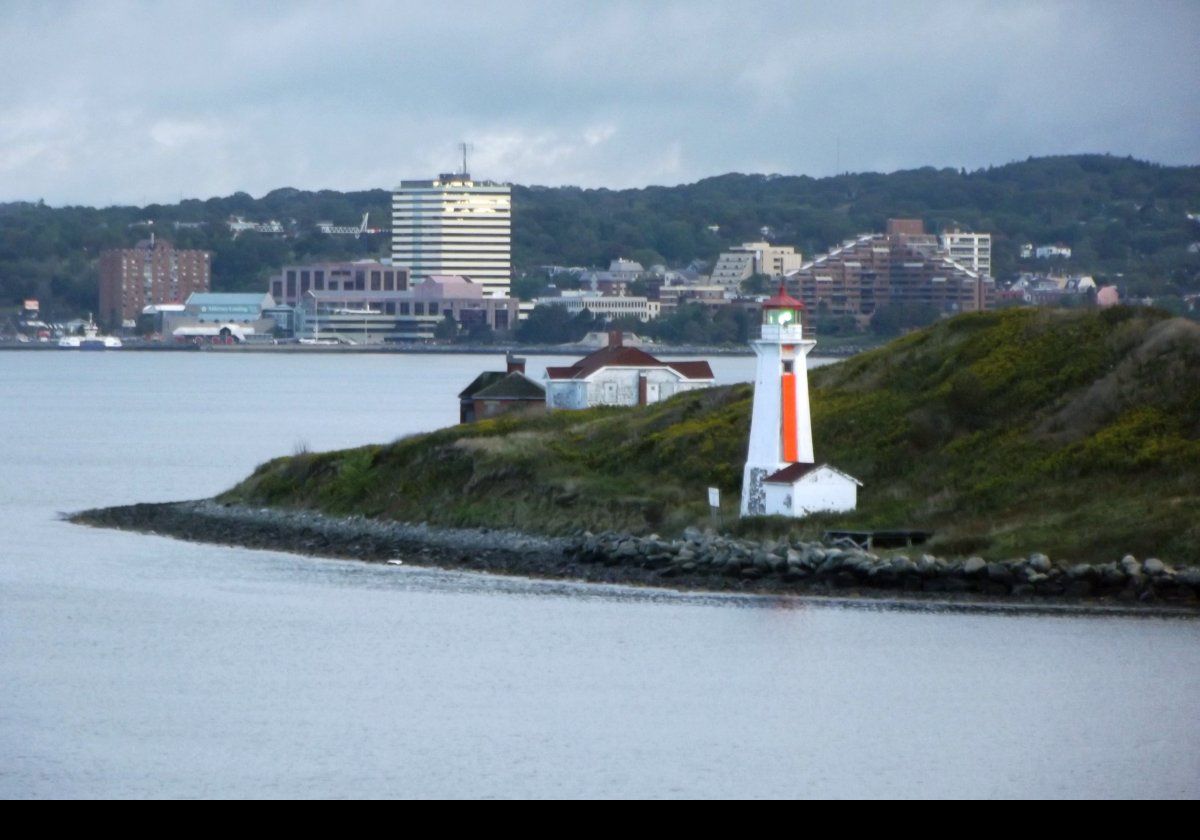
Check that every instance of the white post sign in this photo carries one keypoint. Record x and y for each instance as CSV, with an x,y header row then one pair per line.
x,y
714,497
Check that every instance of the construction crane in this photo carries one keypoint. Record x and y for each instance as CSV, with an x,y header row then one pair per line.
x,y
347,230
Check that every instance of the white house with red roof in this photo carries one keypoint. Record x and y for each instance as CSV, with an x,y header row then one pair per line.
x,y
782,477
620,375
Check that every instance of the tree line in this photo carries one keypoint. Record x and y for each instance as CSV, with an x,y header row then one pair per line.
x,y
1126,221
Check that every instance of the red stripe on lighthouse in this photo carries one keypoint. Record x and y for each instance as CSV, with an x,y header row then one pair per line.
x,y
791,443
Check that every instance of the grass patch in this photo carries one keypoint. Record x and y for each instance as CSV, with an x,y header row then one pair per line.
x,y
1073,433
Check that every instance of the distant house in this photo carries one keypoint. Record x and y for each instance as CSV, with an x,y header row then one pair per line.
x,y
496,392
620,375
1047,252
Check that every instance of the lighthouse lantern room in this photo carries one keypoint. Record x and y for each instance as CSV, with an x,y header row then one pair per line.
x,y
781,476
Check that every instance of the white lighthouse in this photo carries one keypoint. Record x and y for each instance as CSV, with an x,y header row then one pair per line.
x,y
781,476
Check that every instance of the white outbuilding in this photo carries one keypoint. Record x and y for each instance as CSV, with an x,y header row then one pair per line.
x,y
620,375
800,489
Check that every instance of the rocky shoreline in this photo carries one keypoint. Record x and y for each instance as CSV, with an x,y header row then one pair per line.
x,y
696,561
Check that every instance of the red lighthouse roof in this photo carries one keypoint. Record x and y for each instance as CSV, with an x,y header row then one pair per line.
x,y
782,300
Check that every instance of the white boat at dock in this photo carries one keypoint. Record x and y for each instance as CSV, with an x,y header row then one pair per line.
x,y
90,340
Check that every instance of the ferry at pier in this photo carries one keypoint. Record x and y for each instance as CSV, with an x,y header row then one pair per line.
x,y
90,340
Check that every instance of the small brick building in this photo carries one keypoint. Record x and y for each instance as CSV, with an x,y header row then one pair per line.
x,y
494,392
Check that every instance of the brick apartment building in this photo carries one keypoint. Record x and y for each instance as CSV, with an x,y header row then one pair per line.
x,y
905,265
151,273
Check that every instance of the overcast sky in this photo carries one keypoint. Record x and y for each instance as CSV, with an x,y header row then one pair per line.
x,y
107,102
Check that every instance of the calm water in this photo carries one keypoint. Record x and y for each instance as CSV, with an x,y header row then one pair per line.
x,y
140,666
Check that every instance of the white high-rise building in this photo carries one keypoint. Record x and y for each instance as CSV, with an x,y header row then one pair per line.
x,y
453,225
970,250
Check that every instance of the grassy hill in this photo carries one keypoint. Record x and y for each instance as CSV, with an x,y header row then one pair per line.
x,y
1073,433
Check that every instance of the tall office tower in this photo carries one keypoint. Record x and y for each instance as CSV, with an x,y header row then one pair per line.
x,y
453,225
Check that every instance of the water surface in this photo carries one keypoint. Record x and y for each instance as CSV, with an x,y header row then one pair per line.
x,y
140,666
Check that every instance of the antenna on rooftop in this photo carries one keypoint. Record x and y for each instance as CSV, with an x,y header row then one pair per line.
x,y
465,147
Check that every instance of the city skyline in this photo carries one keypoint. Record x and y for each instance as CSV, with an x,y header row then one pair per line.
x,y
131,103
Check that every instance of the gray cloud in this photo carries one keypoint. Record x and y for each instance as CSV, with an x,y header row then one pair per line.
x,y
128,102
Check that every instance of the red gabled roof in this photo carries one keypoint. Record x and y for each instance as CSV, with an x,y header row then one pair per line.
x,y
692,370
627,357
782,300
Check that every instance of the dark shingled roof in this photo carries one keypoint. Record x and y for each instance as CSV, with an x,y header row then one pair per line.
x,y
790,473
626,357
483,380
793,472
514,386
